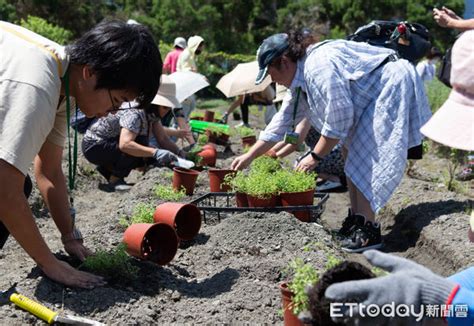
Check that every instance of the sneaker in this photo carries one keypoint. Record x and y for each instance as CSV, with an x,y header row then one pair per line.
x,y
182,163
243,125
348,225
365,237
119,185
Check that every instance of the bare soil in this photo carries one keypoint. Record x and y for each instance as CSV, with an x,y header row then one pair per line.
x,y
230,272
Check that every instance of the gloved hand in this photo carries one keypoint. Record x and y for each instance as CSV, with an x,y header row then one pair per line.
x,y
163,157
409,283
224,118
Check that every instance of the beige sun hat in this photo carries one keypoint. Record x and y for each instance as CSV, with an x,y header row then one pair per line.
x,y
280,93
453,124
166,95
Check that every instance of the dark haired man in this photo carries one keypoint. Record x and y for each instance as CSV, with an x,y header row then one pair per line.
x,y
112,63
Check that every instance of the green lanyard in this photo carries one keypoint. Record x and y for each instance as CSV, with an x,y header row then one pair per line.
x,y
295,108
72,166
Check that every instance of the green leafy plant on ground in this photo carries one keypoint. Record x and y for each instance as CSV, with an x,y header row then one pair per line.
x,y
455,158
142,213
437,94
112,264
167,192
301,276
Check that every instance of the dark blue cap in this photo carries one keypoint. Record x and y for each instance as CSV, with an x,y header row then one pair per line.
x,y
271,48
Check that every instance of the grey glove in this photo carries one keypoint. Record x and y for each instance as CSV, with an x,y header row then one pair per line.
x,y
163,157
409,283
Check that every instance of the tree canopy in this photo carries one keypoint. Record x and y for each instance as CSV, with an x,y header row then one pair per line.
x,y
236,26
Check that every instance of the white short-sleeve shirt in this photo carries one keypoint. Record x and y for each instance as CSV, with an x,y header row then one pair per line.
x,y
31,68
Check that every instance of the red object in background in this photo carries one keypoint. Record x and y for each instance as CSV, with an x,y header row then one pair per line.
x,y
402,28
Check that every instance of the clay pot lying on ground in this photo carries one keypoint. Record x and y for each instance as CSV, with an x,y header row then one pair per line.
x,y
184,178
216,179
185,218
298,199
154,242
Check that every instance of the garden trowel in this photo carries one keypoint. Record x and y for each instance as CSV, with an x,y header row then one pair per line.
x,y
41,311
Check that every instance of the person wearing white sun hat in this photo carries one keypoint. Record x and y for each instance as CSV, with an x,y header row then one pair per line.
x,y
118,143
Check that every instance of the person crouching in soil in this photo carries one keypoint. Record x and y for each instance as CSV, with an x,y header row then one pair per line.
x,y
37,77
118,143
362,95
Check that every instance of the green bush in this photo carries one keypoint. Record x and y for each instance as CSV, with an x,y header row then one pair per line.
x,y
42,27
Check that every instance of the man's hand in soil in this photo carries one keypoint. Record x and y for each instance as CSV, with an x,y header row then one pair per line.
x,y
64,273
76,248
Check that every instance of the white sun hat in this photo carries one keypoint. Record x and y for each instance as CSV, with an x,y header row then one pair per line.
x,y
453,124
166,95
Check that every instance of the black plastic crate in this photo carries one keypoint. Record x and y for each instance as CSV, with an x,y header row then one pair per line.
x,y
224,202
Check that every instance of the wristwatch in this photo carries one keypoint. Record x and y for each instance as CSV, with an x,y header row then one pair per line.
x,y
316,156
74,235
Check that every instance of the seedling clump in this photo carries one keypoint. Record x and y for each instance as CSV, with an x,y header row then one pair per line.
x,y
166,192
114,264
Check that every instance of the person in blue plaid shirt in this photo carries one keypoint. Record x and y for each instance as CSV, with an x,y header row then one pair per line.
x,y
360,95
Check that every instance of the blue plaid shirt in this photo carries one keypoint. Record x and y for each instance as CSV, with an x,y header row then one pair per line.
x,y
376,111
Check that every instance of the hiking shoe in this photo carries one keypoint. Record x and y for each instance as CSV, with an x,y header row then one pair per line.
x,y
363,238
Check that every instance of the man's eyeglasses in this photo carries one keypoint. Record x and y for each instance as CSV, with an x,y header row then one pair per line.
x,y
119,108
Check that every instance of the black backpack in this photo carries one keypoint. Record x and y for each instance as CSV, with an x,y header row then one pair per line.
x,y
410,40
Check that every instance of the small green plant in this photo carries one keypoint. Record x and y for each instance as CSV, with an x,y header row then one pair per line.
x,y
142,213
167,192
245,132
111,264
295,181
202,140
265,164
331,261
192,155
217,130
302,275
237,182
261,185
455,159
196,114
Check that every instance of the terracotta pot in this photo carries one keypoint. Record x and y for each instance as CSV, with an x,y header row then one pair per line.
x,y
185,218
211,136
248,141
298,199
184,178
288,316
210,146
209,116
241,199
209,157
216,178
258,202
154,242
